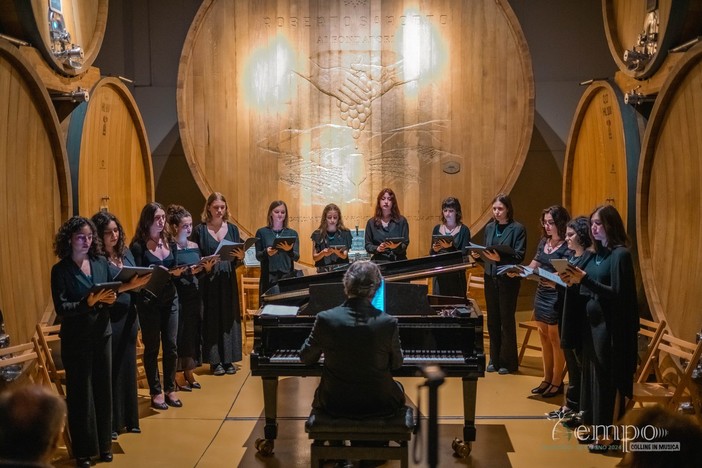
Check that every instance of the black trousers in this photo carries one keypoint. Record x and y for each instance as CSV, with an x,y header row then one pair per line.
x,y
159,326
88,366
501,294
572,396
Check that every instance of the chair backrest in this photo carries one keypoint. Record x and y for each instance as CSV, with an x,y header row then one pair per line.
x,y
688,353
45,336
249,293
23,355
653,332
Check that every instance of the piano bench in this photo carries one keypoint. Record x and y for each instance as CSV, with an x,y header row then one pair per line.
x,y
364,436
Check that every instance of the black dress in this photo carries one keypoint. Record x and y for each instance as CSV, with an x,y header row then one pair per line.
x,y
545,298
280,265
221,321
125,325
571,323
331,239
452,284
189,311
376,235
86,347
610,340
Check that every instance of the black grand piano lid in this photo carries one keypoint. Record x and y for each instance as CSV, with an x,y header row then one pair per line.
x,y
422,267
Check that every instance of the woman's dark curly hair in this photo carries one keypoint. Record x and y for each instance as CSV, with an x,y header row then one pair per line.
x,y
146,219
174,216
560,216
581,226
102,220
62,241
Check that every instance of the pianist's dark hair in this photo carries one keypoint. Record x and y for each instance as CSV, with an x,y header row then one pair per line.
x,y
362,279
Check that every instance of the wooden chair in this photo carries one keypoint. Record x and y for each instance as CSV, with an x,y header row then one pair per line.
x,y
49,341
249,294
651,332
530,326
475,283
27,355
142,382
669,391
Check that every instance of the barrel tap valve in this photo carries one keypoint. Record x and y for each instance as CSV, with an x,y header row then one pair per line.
x,y
634,98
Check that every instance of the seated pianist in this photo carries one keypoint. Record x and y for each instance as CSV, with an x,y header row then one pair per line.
x,y
361,346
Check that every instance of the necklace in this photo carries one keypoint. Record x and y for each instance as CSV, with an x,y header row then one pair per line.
x,y
599,259
159,242
550,248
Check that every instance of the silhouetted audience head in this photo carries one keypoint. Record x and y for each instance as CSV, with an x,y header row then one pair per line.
x,y
31,419
362,279
657,424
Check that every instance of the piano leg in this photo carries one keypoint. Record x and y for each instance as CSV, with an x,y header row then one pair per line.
x,y
470,393
270,411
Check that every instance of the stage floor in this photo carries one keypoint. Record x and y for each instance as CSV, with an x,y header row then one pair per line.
x,y
218,425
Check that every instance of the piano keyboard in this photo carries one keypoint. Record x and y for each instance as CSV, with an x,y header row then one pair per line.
x,y
411,356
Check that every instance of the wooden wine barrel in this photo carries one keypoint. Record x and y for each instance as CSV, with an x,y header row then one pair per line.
x,y
601,161
669,195
329,102
109,156
36,193
602,154
84,21
676,21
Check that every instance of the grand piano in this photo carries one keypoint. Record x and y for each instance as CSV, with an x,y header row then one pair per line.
x,y
434,330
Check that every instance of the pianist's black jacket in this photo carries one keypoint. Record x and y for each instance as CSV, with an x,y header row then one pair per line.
x,y
361,345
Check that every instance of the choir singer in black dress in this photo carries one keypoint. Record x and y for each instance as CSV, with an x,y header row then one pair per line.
x,y
387,232
331,241
450,284
610,339
276,263
157,308
86,345
221,324
501,291
125,325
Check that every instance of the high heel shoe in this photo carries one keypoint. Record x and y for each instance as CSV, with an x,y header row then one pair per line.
x,y
553,391
159,405
173,400
541,388
190,378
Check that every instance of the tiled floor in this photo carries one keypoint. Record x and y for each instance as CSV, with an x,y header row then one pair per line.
x,y
218,425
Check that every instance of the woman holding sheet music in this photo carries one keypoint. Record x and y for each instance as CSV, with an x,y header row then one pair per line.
x,y
158,305
387,232
277,247
220,291
332,240
450,236
554,220
501,291
610,341
125,325
187,253
85,337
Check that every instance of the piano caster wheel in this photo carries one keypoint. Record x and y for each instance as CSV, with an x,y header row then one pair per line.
x,y
264,446
460,448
